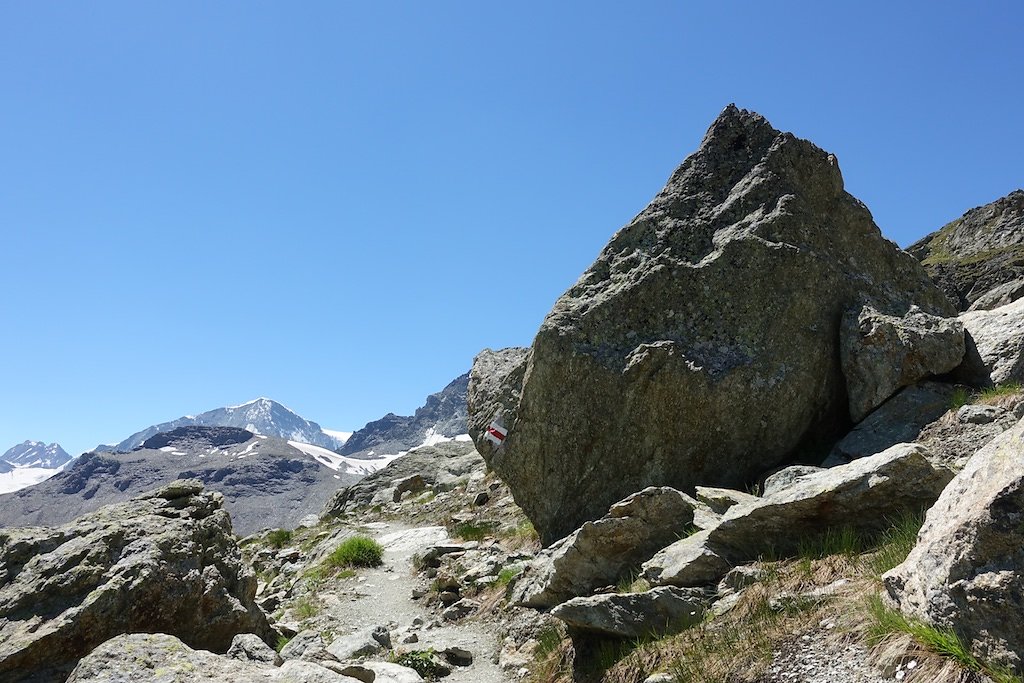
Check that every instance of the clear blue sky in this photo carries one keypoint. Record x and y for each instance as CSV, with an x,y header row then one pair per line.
x,y
337,205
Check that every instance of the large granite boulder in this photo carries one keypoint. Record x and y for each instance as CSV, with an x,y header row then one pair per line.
x,y
865,495
966,572
996,345
160,658
164,562
980,252
702,347
659,611
600,552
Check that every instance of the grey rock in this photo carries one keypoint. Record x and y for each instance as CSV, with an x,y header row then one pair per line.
x,y
656,366
979,414
438,466
966,572
164,562
442,414
901,419
786,477
307,645
362,644
634,615
739,578
386,672
863,495
495,388
148,657
413,484
997,354
600,552
266,482
459,656
978,252
248,647
461,609
882,353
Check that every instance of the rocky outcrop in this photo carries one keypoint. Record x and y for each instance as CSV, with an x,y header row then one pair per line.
x,y
438,468
883,353
634,615
953,439
495,387
600,552
979,252
721,299
443,415
141,658
166,561
996,347
966,572
864,495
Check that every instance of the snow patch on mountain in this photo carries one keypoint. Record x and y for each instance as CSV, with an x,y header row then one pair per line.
x,y
340,463
22,477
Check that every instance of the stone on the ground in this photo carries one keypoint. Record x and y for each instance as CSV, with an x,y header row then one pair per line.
x,y
461,609
883,353
966,572
865,495
996,346
364,643
149,657
634,615
166,561
786,477
899,420
600,552
719,500
459,656
657,366
308,645
1003,294
248,647
386,672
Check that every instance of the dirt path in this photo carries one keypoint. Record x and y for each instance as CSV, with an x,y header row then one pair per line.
x,y
384,596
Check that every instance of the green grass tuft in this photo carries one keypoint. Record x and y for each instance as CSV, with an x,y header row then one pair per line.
x,y
473,531
281,642
423,662
960,397
278,538
990,394
356,551
896,542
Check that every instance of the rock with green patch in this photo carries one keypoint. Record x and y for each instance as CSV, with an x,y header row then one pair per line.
x,y
702,347
166,561
978,253
966,572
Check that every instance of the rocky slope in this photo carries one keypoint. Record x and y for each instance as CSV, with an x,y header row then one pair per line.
x,y
443,415
266,481
978,259
739,321
260,416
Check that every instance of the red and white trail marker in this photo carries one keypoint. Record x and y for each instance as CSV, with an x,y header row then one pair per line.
x,y
496,434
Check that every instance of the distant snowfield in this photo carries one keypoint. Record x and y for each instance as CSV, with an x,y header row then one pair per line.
x,y
21,477
340,463
342,437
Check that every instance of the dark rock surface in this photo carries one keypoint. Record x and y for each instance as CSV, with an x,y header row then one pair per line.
x,y
266,481
443,414
164,562
979,252
708,325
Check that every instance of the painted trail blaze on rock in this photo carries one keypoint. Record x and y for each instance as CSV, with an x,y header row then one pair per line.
x,y
702,347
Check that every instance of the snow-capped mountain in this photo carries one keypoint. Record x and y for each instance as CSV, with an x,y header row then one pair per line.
x,y
442,417
267,481
36,454
260,416
29,463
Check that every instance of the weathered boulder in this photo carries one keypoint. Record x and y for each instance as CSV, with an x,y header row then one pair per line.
x,y
966,572
954,438
996,355
634,615
157,657
164,562
865,495
998,296
978,252
248,647
600,552
901,419
883,353
785,478
718,304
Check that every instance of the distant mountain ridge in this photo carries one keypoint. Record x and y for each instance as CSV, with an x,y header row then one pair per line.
x,y
36,454
260,416
441,417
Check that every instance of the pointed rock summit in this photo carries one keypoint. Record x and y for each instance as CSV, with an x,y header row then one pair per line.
x,y
703,347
